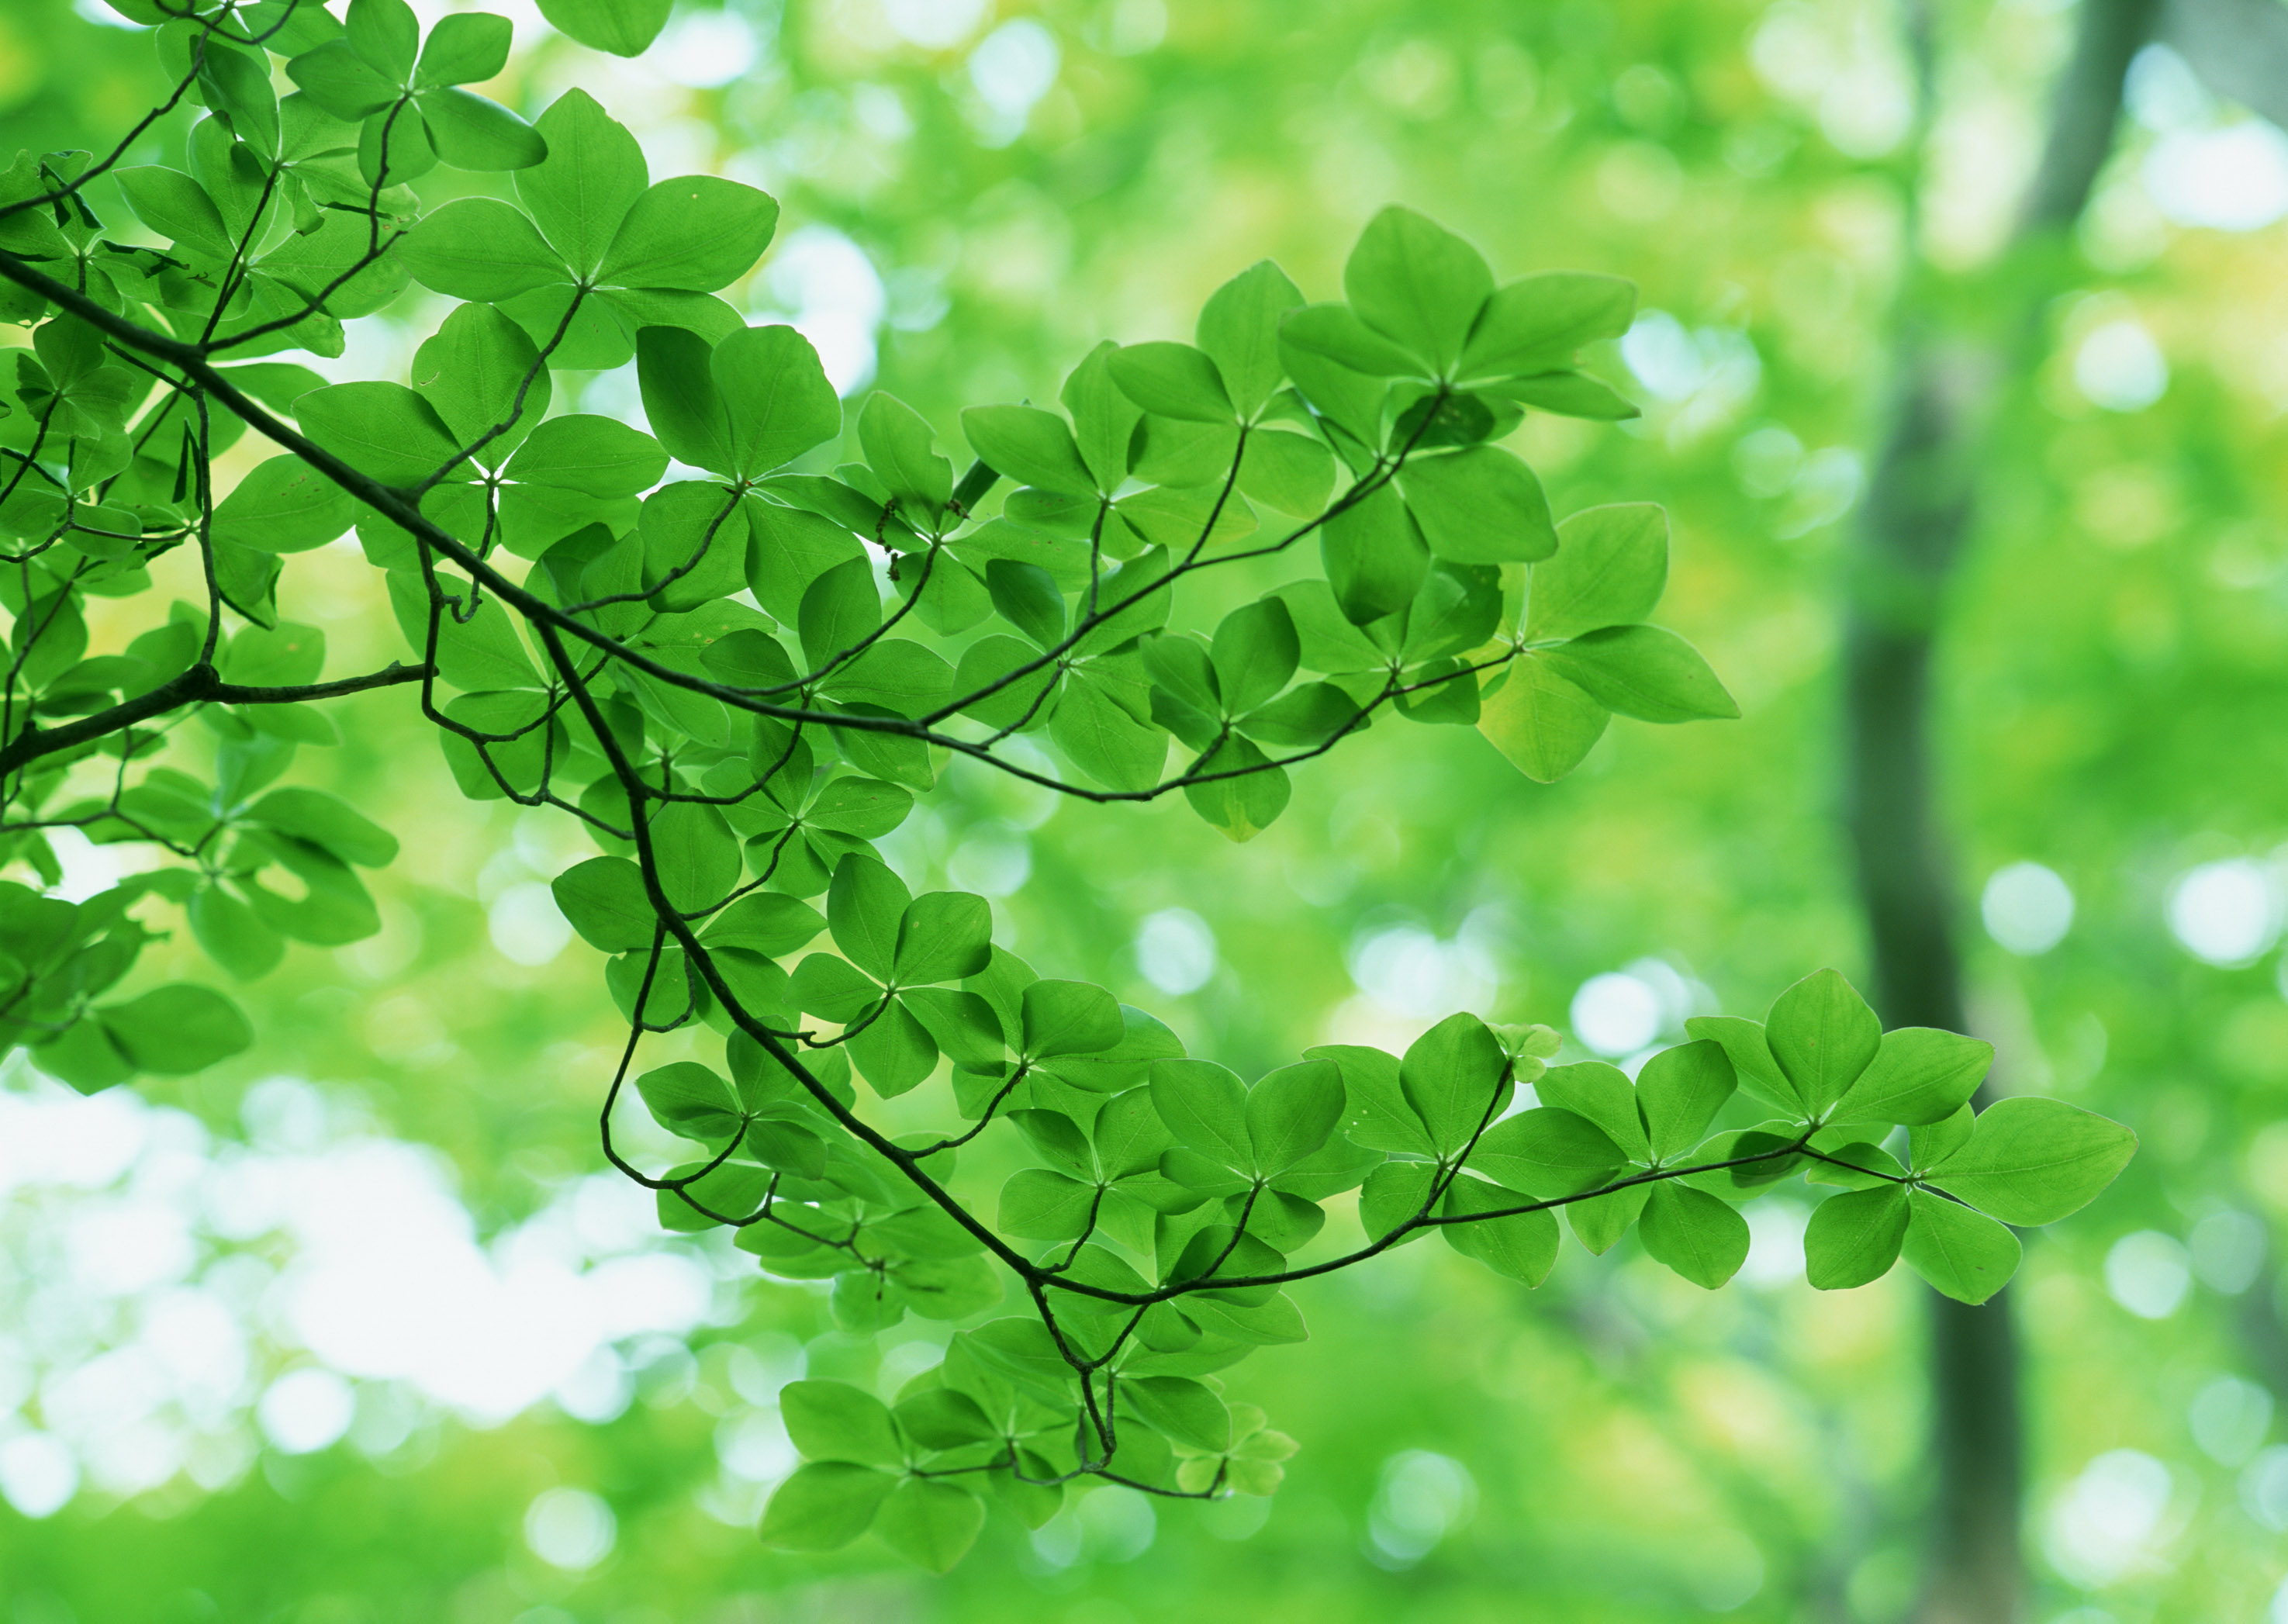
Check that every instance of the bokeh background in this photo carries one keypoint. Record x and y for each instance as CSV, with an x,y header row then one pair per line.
x,y
357,1329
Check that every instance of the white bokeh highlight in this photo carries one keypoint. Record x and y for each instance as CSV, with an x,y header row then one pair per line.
x,y
2226,911
2027,908
1176,951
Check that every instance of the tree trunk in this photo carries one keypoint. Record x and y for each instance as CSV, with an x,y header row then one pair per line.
x,y
1919,509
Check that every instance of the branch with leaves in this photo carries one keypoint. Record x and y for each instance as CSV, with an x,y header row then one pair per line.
x,y
740,680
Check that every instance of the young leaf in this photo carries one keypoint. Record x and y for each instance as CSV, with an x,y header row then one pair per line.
x,y
624,28
1547,1152
1679,1092
1643,671
1239,330
1610,568
605,900
176,1029
1544,723
1824,1035
826,1504
1374,556
864,909
1457,1079
1536,323
1248,800
1604,1095
1920,1075
1068,1018
2031,1161
1478,505
833,1421
1520,1245
1255,654
1290,1113
1172,380
1961,1253
944,936
930,1523
1418,284
593,174
1030,445
776,394
695,232
1854,1238
1703,1238
1205,1108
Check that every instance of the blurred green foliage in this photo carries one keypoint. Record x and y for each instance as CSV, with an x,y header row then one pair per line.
x,y
2113,674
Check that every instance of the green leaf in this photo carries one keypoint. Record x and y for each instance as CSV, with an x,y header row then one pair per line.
x,y
901,451
605,900
826,1504
1239,330
593,455
833,1421
1547,1152
384,430
1679,1092
1180,1409
842,608
1205,1107
944,936
696,854
1027,597
1039,1204
1643,671
232,934
2031,1161
340,80
776,393
236,84
693,232
1520,1245
695,545
1853,1239
1244,805
1920,1075
1255,654
687,1098
1604,1095
483,376
931,1523
386,33
1536,323
1703,1238
824,984
761,922
593,174
282,505
1068,1018
1418,284
176,1029
479,249
1928,1145
1610,569
685,410
1104,419
1290,1113
1030,445
466,48
1104,738
326,821
1542,723
1565,394
1172,380
1750,1055
1480,505
176,206
1824,1035
625,29
1392,1195
1964,1254
1292,472
475,132
864,908
1374,556
1457,1079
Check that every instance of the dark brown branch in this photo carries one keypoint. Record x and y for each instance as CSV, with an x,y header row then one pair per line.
x,y
200,685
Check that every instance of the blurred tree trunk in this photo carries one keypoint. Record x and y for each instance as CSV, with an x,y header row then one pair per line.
x,y
1919,509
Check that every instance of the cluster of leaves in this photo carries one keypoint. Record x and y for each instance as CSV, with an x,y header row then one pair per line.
x,y
738,683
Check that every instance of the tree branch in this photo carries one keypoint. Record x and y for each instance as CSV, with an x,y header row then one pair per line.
x,y
201,684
